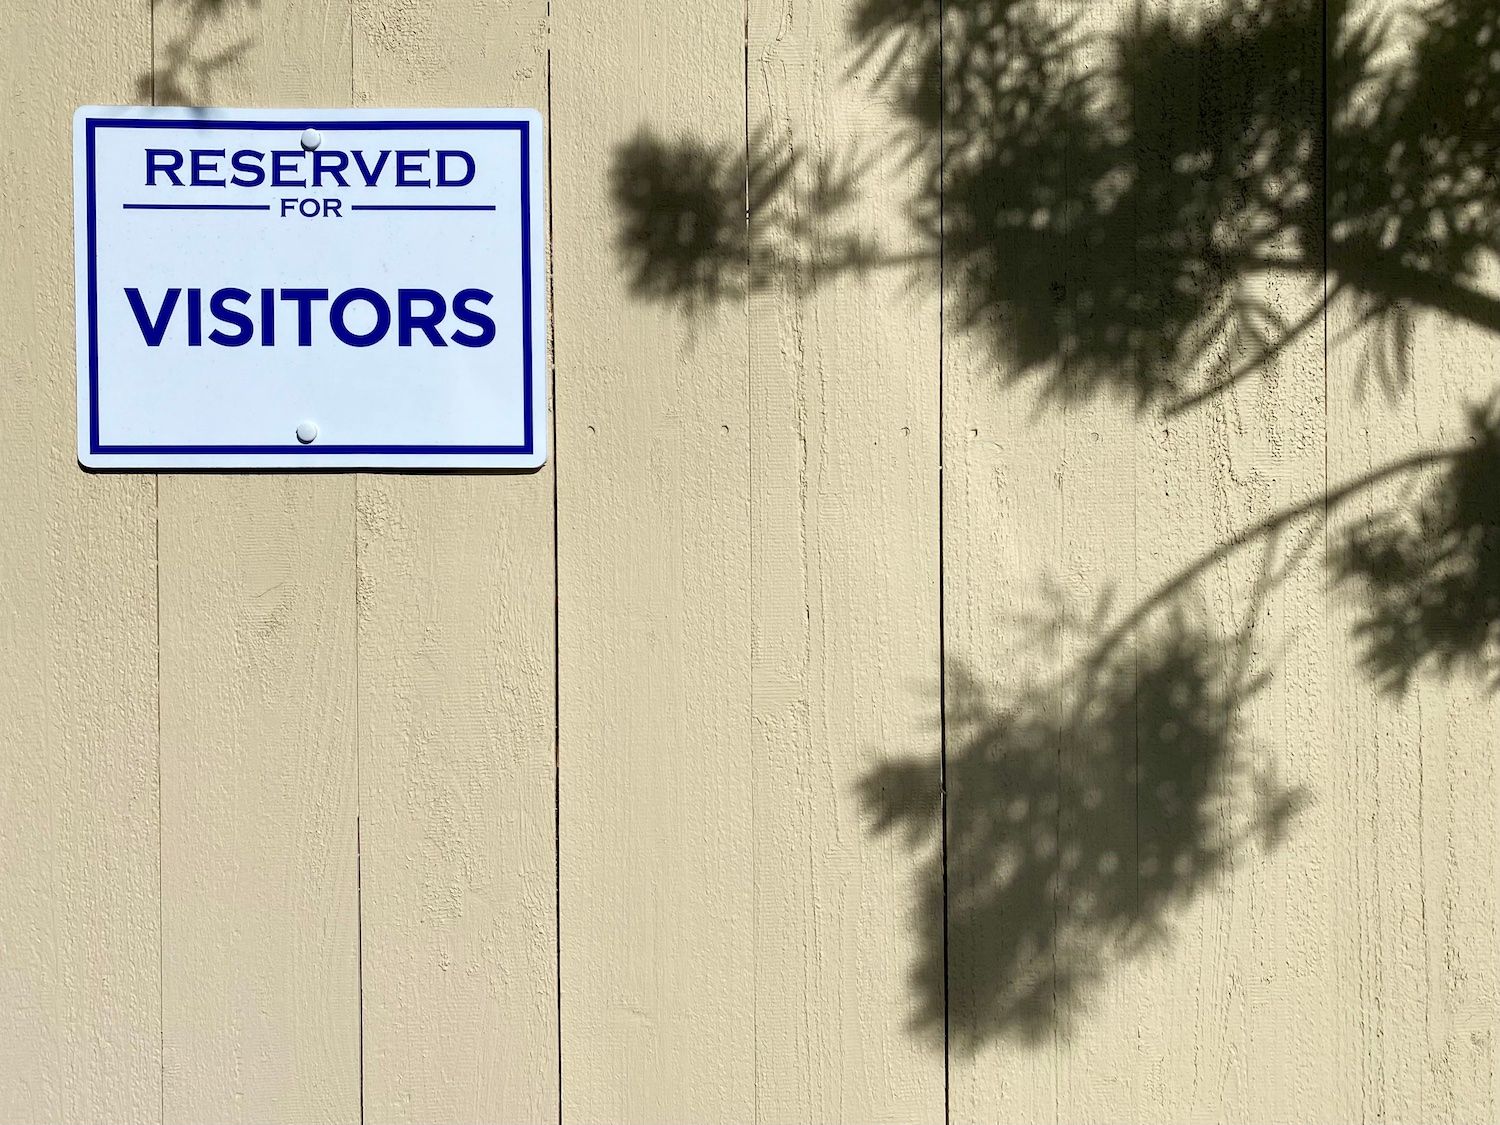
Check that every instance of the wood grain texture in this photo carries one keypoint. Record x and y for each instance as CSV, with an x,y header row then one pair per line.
x,y
1099,824
456,689
1236,460
80,1033
843,481
1418,934
259,932
657,858
258,709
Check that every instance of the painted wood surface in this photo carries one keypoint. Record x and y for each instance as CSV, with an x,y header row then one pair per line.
x,y
80,928
456,697
655,718
841,472
905,696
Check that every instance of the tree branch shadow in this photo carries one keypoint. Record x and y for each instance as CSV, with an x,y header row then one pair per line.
x,y
1085,811
1109,210
1106,206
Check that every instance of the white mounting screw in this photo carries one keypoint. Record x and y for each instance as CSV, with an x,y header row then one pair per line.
x,y
311,139
307,432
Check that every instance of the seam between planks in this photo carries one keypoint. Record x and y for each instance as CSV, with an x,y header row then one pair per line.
x,y
161,956
941,556
556,595
750,585
359,890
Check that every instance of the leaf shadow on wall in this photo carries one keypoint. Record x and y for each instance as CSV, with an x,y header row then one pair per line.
x,y
1107,209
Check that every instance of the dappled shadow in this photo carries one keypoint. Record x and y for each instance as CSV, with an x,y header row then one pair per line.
x,y
1110,208
1105,232
1081,816
685,237
1107,206
1414,167
682,207
1429,575
184,68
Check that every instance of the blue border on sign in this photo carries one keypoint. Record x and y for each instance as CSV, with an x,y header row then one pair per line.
x,y
523,127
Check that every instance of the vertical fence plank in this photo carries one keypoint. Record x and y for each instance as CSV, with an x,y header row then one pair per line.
x,y
844,543
80,1032
456,696
1240,945
1005,449
1243,947
260,927
657,836
1419,932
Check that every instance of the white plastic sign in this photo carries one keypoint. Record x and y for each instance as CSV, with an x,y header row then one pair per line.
x,y
305,289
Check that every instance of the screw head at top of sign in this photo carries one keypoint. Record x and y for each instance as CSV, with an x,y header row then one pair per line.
x,y
311,139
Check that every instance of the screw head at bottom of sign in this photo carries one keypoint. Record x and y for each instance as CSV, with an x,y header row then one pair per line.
x,y
311,139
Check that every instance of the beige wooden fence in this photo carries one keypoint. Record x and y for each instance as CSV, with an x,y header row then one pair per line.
x,y
616,792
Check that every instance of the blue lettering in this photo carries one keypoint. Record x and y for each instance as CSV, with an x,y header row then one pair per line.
x,y
341,328
371,175
303,299
283,165
231,322
248,168
206,162
481,321
267,318
320,164
218,304
152,331
195,318
443,179
427,322
165,161
408,165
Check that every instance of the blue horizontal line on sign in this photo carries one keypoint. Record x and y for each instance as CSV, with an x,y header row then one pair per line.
x,y
197,206
421,207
